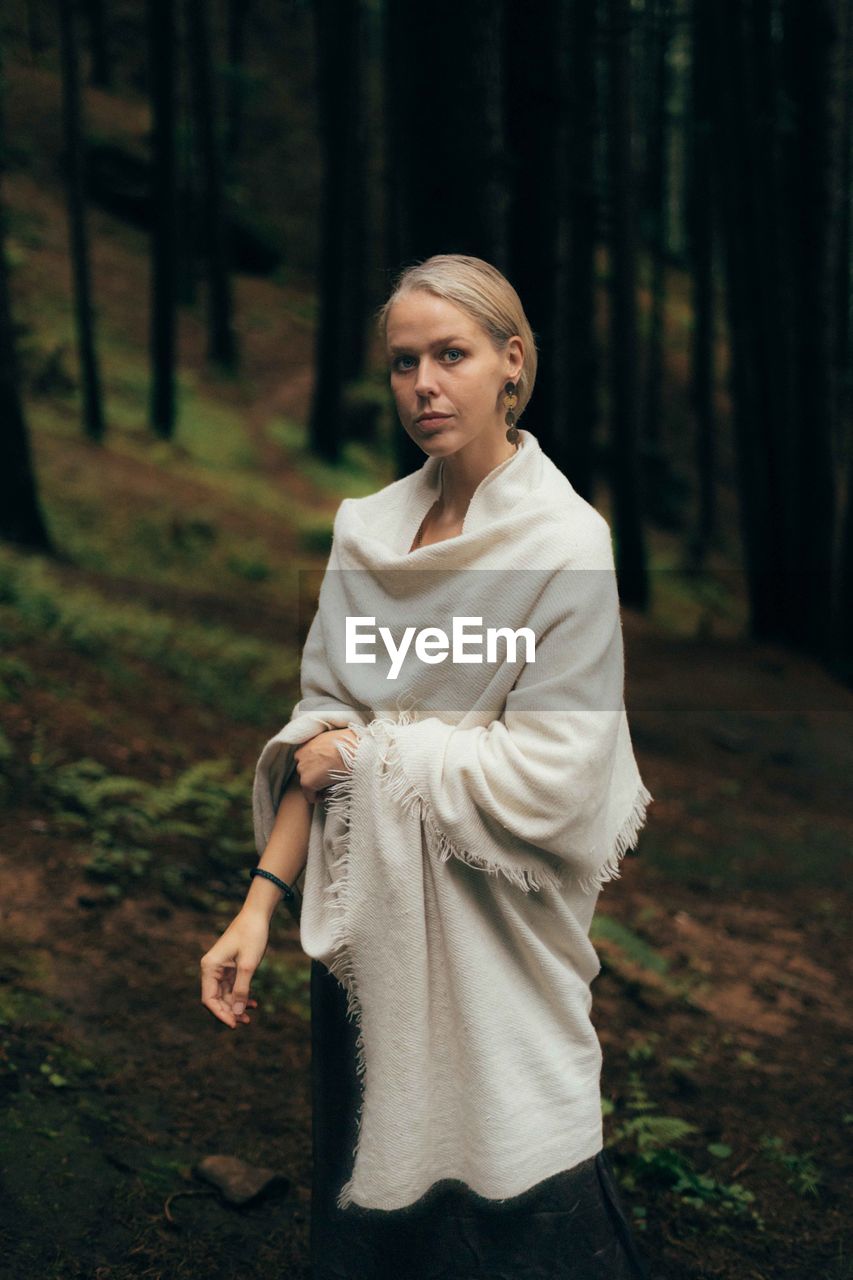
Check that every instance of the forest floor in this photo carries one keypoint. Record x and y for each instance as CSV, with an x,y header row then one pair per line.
x,y
139,679
722,1000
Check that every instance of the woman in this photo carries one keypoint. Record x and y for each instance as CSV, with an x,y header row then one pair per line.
x,y
452,865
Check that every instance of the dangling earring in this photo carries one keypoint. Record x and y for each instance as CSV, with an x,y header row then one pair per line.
x,y
510,401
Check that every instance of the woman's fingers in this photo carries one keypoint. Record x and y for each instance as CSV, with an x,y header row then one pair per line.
x,y
218,993
213,982
240,994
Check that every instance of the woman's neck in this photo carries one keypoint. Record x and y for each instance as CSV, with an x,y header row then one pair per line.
x,y
462,472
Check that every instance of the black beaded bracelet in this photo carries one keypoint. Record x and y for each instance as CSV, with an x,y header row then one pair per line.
x,y
268,875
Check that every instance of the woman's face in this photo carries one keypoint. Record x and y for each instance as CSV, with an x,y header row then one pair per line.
x,y
442,362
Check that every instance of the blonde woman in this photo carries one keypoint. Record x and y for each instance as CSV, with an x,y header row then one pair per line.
x,y
453,800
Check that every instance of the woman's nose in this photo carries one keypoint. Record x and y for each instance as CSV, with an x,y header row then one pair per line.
x,y
425,380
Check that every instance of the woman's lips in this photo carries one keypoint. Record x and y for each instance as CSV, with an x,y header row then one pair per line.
x,y
430,425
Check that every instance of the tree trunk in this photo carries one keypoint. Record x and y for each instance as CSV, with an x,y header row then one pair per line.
x,y
450,189
355,223
93,412
537,83
842,624
812,83
757,304
189,204
162,45
100,70
222,340
655,464
660,20
581,347
337,29
624,466
35,31
700,242
21,519
237,16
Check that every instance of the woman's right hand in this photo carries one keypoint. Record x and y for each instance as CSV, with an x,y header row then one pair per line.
x,y
318,758
227,968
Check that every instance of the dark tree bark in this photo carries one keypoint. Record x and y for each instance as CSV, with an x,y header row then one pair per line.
x,y
100,70
844,245
842,624
449,193
237,17
700,245
812,40
655,470
222,340
189,204
162,36
452,189
35,30
580,352
21,520
355,222
624,466
842,621
776,156
536,113
659,19
742,111
337,34
73,157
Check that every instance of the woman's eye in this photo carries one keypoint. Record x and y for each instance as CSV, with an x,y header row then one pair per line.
x,y
397,363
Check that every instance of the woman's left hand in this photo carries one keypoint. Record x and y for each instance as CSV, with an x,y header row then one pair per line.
x,y
317,758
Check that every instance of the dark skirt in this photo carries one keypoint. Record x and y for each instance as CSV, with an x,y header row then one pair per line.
x,y
572,1226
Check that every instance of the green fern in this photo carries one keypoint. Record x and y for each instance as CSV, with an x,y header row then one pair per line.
x,y
128,822
651,1139
803,1174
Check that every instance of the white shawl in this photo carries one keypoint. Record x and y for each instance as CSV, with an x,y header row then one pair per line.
x,y
455,862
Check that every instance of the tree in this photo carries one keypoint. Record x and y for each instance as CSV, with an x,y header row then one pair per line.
x,y
700,251
537,80
340,323
221,338
100,70
21,519
580,353
72,128
161,43
449,190
237,14
812,85
624,466
778,93
659,18
842,608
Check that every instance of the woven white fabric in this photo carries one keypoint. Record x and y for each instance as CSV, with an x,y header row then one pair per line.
x,y
455,863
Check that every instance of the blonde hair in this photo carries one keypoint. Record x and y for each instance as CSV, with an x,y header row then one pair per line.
x,y
479,289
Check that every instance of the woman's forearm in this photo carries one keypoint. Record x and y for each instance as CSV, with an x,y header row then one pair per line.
x,y
286,852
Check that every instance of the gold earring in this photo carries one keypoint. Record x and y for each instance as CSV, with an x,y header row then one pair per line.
x,y
510,401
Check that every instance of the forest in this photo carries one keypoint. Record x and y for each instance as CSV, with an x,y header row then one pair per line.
x,y
203,205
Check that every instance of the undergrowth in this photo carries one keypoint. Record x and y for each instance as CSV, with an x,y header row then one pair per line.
x,y
187,836
239,676
652,1152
